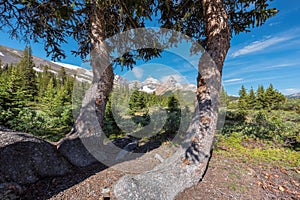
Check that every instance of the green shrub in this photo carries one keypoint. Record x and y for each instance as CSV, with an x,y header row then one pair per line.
x,y
262,125
28,121
236,116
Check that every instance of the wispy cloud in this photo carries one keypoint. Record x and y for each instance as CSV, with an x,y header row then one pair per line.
x,y
138,72
262,66
259,45
274,23
280,65
233,80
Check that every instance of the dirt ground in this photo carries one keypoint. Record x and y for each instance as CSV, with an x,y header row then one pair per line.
x,y
226,178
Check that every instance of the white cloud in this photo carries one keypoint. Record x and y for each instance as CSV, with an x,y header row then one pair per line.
x,y
280,65
233,80
274,23
259,45
138,72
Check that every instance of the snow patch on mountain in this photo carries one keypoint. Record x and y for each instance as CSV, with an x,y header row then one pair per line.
x,y
52,71
37,69
1,54
88,76
69,66
146,89
151,80
83,80
83,75
88,73
151,85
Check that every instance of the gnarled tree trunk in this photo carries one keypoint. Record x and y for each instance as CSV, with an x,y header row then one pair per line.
x,y
90,121
188,165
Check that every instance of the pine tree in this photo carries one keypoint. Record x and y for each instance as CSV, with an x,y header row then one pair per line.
x,y
61,76
173,119
110,125
251,99
69,86
260,98
136,102
43,81
280,99
141,101
224,99
274,98
12,95
242,102
270,96
173,104
48,98
28,74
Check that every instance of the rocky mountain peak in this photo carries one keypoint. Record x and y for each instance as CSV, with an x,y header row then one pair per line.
x,y
151,80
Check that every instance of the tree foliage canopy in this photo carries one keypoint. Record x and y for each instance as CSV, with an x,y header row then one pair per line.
x,y
55,21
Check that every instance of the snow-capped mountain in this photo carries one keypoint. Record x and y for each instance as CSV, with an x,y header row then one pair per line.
x,y
294,96
151,85
173,85
9,55
81,73
119,80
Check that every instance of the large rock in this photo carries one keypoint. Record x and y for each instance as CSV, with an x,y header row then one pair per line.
x,y
87,150
25,159
75,152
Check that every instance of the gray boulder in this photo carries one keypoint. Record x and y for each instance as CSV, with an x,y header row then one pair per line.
x,y
75,152
25,159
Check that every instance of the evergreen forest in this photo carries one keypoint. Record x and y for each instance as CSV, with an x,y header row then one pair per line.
x,y
46,104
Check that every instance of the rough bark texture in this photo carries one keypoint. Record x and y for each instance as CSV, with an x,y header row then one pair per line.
x,y
91,117
188,165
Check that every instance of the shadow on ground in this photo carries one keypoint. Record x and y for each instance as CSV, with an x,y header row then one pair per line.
x,y
52,186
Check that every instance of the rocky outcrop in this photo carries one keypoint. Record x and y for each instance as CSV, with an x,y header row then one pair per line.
x,y
25,159
75,152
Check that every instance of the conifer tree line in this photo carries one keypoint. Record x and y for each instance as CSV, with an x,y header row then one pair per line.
x,y
260,99
135,106
37,102
43,103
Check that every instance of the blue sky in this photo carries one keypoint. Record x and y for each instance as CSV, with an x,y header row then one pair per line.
x,y
268,54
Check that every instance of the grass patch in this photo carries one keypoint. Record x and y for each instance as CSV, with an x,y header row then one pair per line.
x,y
259,152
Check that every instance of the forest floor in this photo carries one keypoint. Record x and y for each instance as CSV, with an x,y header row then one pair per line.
x,y
228,177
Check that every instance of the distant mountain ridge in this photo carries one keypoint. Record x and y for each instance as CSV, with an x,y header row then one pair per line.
x,y
294,96
9,55
150,85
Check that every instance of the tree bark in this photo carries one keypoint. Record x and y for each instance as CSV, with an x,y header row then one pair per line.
x,y
87,132
188,165
103,75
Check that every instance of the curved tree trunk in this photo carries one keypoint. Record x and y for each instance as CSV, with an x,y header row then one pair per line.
x,y
189,163
103,75
90,121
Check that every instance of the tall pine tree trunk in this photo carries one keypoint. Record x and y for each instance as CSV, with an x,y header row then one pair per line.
x,y
187,166
102,69
88,126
